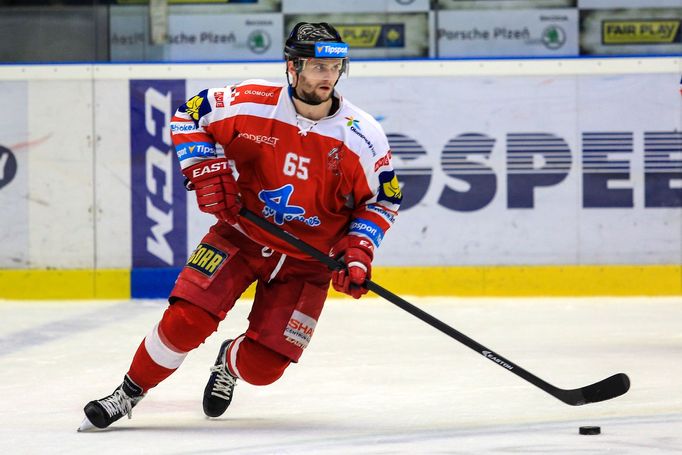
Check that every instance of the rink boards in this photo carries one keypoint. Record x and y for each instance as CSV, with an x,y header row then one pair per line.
x,y
542,177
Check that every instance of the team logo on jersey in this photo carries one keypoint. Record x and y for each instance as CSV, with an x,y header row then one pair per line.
x,y
277,206
334,161
197,106
207,259
389,188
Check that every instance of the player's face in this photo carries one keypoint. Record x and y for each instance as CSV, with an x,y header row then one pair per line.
x,y
317,79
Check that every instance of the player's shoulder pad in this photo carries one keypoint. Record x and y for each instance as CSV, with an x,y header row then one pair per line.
x,y
257,91
367,129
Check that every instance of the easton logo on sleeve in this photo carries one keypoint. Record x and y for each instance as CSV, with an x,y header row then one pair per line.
x,y
206,259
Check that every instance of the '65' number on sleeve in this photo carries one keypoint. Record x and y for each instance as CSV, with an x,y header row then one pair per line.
x,y
296,165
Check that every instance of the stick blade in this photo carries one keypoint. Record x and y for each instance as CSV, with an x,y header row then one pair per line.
x,y
611,387
606,389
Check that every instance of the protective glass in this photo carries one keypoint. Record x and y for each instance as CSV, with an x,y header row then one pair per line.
x,y
324,68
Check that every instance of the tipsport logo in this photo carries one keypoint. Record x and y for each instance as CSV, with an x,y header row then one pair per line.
x,y
331,50
195,150
606,164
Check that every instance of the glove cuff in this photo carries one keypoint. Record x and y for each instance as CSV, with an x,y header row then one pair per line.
x,y
352,241
207,169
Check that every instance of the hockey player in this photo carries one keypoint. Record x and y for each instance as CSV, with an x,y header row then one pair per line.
x,y
303,158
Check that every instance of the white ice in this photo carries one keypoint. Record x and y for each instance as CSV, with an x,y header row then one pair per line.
x,y
374,380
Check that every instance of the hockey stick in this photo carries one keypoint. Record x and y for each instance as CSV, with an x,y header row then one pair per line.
x,y
605,389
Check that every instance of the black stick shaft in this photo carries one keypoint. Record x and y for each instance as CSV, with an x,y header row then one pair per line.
x,y
608,388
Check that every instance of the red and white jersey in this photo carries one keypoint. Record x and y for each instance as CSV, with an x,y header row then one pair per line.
x,y
319,180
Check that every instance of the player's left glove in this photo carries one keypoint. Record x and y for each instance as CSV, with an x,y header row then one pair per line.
x,y
357,254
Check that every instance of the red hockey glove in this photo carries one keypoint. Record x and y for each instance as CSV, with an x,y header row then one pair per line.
x,y
357,253
216,188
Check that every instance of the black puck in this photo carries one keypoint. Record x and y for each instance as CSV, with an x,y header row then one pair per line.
x,y
589,430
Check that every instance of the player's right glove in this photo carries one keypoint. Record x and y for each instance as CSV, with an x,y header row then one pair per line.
x,y
216,189
357,254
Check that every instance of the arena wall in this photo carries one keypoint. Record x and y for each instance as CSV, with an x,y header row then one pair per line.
x,y
520,177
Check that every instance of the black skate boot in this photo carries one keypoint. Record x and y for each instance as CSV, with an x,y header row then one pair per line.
x,y
105,411
218,391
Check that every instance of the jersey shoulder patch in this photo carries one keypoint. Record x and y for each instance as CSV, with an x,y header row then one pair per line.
x,y
197,106
256,91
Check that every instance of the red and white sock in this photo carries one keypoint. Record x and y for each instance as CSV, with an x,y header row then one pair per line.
x,y
183,327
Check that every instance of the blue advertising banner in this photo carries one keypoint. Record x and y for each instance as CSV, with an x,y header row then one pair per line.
x,y
159,208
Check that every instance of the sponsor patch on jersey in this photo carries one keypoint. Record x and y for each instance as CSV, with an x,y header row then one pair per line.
x,y
383,161
388,216
367,229
260,94
389,188
197,106
299,329
260,139
207,259
195,150
352,121
354,125
219,99
183,127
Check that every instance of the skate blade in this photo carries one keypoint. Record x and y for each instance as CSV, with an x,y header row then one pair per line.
x,y
86,425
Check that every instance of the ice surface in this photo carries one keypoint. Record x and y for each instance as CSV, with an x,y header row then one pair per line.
x,y
374,380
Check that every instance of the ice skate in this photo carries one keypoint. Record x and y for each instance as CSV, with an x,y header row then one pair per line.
x,y
218,391
105,411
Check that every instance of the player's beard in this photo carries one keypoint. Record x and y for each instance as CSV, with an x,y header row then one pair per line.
x,y
310,96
